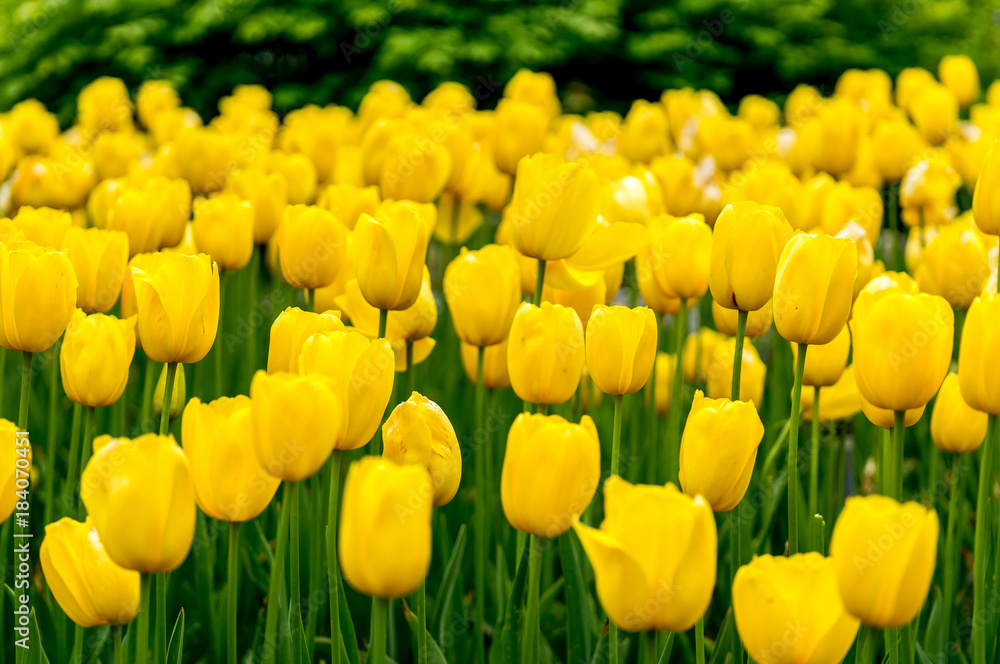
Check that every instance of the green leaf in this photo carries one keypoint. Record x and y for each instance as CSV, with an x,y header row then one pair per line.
x,y
922,656
721,651
175,649
442,604
578,634
347,634
512,617
434,653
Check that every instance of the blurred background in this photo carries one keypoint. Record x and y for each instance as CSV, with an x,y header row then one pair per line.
x,y
602,53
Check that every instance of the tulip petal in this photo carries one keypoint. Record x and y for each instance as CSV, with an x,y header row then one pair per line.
x,y
621,586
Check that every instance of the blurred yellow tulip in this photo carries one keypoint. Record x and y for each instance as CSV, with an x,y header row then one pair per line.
x,y
483,290
495,374
38,298
95,358
33,127
758,322
151,211
986,199
680,254
646,133
223,229
267,194
11,446
299,175
545,353
953,265
934,110
663,385
311,246
979,353
44,226
416,167
621,348
840,401
826,362
100,259
104,105
896,143
419,433
956,426
958,73
519,131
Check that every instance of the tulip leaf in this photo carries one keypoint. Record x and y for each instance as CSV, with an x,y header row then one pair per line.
x,y
720,652
601,652
934,638
512,617
175,651
922,656
816,534
434,653
578,636
442,605
347,633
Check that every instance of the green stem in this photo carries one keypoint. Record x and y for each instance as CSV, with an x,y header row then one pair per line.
x,y
422,623
699,641
117,629
22,413
168,392
217,351
893,210
951,554
793,453
142,623
50,431
274,610
892,645
676,398
380,612
77,654
87,449
531,649
149,382
896,460
383,322
814,458
160,638
539,283
735,560
979,570
252,308
741,328
409,369
649,639
295,583
66,500
231,589
616,436
310,300
479,478
333,568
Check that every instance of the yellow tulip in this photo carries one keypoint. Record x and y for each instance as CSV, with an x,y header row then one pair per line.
x,y
495,374
826,362
934,111
483,290
152,212
223,228
362,371
95,358
457,226
104,105
896,143
43,226
814,288
60,180
100,260
419,433
986,199
296,422
840,129
719,372
789,611
38,298
663,386
883,553
318,134
910,81
554,207
955,426
840,401
268,195
415,167
536,88
385,527
902,347
621,348
551,470
719,449
115,153
545,353
178,393
759,111
148,475
177,299
646,133
641,584
289,332
581,301
927,192
450,96
153,98
680,254
389,253
311,245
758,322
299,175
978,354
698,353
230,483
884,418
519,131
652,293
89,587
348,202
953,265
746,245
12,447
32,127
482,181
959,74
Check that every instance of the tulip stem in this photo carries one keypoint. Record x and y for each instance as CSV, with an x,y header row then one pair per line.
x,y
168,392
479,478
217,349
254,274
699,641
69,485
333,569
117,629
295,583
958,470
276,582
234,560
88,438
649,638
677,397
814,457
146,408
310,300
536,299
616,436
383,322
50,430
793,452
22,413
160,636
741,329
77,654
422,623
893,209
892,645
531,647
894,457
735,560
980,559
409,368
142,624
380,612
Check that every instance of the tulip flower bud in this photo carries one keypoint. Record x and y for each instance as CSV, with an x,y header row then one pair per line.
x,y
955,426
771,593
230,483
652,293
902,347
10,452
720,473
348,202
986,198
362,371
389,252
268,195
826,362
978,355
385,527
545,353
419,433
884,553
840,401
840,126
680,254
643,586
32,127
99,260
153,98
44,226
495,374
959,74
621,348
290,330
299,175
719,372
518,131
152,212
910,81
223,229
177,298
415,168
726,320
104,105
884,418
206,157
178,393
312,244
147,475
554,206
646,133
89,587
747,242
38,298
483,290
896,143
95,358
814,288
935,112
953,265
551,470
